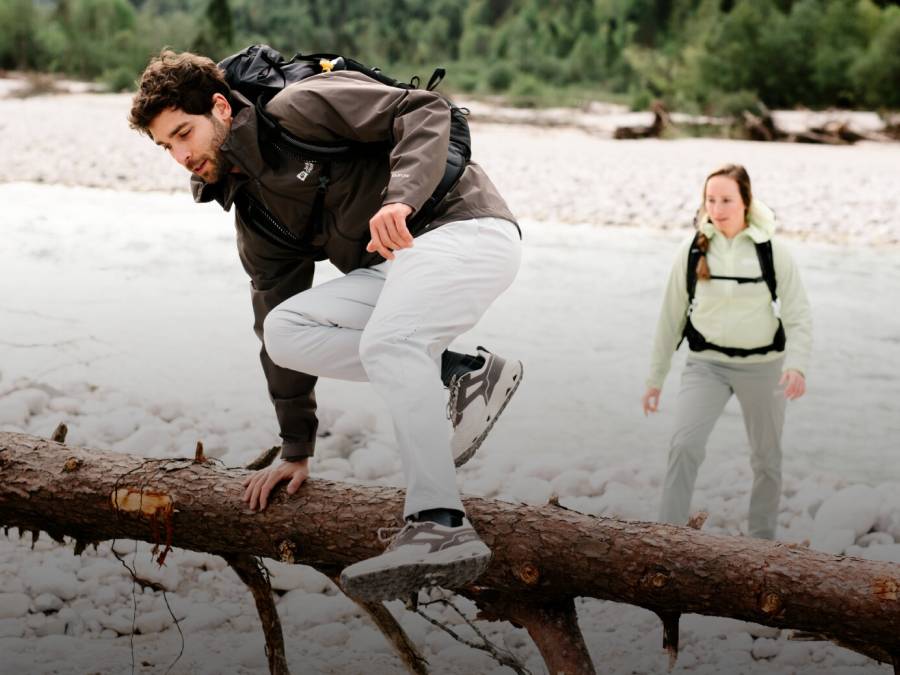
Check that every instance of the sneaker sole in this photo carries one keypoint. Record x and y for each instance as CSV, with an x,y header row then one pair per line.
x,y
402,581
472,449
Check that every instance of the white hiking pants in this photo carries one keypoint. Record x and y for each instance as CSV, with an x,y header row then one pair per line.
x,y
706,387
389,325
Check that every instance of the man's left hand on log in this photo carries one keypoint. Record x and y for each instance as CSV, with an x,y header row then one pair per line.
x,y
260,483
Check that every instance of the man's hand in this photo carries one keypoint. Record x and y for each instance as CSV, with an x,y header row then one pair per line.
x,y
389,231
260,484
794,384
650,399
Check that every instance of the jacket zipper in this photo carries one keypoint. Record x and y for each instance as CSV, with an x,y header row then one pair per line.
x,y
278,227
259,219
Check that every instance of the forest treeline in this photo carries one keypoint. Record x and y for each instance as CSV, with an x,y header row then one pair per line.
x,y
715,56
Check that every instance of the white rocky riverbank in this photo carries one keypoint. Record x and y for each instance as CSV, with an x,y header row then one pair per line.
x,y
124,312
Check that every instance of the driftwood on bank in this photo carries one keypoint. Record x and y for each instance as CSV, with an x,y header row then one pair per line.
x,y
544,557
660,122
760,126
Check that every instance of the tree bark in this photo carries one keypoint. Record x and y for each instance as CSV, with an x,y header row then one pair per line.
x,y
542,555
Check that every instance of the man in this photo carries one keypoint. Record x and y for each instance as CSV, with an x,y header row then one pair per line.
x,y
410,287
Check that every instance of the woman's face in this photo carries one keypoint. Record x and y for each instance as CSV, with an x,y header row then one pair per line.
x,y
724,204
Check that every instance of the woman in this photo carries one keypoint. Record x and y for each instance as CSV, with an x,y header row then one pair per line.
x,y
735,294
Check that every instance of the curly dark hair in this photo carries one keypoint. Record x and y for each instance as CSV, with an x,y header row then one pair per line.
x,y
171,80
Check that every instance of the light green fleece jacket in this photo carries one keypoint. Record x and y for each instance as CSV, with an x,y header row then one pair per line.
x,y
730,314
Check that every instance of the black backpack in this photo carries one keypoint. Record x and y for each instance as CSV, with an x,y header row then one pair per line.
x,y
259,72
696,341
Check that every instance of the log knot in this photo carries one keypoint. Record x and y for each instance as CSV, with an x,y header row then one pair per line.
x,y
72,464
770,603
528,573
287,551
886,588
658,579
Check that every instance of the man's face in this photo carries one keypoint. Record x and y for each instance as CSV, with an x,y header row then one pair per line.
x,y
195,141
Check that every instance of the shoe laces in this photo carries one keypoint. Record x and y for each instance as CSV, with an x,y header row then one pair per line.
x,y
388,535
454,387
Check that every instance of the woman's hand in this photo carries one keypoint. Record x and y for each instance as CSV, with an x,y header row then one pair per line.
x,y
651,400
261,483
794,384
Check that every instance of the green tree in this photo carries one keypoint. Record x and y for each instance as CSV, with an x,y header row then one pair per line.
x,y
19,43
877,72
98,34
841,41
216,33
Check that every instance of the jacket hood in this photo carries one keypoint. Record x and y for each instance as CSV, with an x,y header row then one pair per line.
x,y
760,222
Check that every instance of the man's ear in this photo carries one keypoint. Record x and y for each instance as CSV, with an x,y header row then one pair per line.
x,y
221,107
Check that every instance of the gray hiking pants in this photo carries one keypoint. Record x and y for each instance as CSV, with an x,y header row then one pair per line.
x,y
389,324
706,387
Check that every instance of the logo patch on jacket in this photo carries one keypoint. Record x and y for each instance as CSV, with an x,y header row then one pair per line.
x,y
307,169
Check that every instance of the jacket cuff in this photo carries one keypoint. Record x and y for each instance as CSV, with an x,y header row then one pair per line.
x,y
392,195
786,367
793,363
294,450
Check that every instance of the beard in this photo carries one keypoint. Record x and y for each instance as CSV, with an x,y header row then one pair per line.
x,y
217,165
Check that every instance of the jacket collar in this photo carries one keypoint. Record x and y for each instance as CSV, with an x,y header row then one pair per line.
x,y
241,149
760,224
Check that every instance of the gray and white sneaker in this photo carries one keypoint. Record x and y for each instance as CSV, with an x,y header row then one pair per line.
x,y
476,401
419,555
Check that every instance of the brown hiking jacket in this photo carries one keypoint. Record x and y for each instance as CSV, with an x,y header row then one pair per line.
x,y
329,108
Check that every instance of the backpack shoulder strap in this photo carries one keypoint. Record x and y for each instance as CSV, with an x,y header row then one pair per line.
x,y
693,258
767,267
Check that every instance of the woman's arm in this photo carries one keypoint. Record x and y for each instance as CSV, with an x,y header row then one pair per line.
x,y
795,311
672,317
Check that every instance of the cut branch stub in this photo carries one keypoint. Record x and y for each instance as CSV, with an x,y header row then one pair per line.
x,y
59,434
696,521
155,506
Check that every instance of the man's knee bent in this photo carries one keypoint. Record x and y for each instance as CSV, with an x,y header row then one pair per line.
x,y
277,329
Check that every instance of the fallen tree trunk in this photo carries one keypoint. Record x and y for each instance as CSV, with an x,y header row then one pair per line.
x,y
543,556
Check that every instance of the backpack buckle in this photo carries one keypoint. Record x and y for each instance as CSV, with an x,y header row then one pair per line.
x,y
776,307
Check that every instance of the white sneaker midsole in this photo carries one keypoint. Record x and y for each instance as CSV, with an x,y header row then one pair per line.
x,y
402,558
